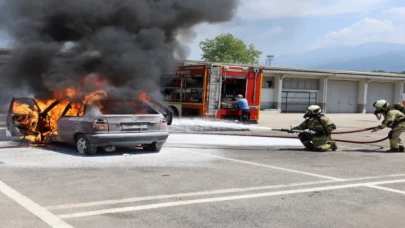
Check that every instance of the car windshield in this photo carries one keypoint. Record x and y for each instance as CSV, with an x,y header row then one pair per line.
x,y
117,107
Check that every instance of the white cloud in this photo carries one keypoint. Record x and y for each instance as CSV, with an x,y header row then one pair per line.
x,y
264,9
363,31
395,13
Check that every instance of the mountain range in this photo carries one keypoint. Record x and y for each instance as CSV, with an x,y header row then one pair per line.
x,y
365,57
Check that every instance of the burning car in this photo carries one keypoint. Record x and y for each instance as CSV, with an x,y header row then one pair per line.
x,y
107,123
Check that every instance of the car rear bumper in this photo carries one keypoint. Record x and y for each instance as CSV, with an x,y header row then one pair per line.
x,y
128,139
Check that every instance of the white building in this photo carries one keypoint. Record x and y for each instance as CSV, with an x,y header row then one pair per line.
x,y
292,90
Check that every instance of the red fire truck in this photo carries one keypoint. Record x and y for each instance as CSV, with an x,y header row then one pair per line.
x,y
204,90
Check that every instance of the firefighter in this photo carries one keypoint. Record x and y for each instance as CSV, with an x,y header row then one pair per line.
x,y
393,119
315,120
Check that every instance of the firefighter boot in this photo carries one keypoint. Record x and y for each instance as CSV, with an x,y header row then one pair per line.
x,y
392,150
334,146
401,149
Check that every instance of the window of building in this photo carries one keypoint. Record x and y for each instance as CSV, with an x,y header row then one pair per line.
x,y
268,83
301,83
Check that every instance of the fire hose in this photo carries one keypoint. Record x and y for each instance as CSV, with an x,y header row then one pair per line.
x,y
339,132
356,131
299,131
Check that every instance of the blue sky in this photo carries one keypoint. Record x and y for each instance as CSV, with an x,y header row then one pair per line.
x,y
290,26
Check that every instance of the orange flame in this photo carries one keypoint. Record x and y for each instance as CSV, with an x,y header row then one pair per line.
x,y
144,96
29,117
26,119
94,97
67,93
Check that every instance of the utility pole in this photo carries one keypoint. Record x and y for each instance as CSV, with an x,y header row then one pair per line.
x,y
269,59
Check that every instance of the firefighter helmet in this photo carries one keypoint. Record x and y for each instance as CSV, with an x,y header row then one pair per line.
x,y
382,104
313,110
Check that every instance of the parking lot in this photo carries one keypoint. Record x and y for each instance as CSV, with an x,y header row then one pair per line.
x,y
208,181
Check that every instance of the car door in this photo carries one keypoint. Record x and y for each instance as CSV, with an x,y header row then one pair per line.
x,y
163,110
22,116
69,121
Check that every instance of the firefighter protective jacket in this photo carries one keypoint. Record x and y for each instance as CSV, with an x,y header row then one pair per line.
x,y
392,118
320,124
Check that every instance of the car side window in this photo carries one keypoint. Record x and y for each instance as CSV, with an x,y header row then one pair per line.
x,y
74,109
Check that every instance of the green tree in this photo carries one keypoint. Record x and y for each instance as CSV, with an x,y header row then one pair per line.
x,y
226,48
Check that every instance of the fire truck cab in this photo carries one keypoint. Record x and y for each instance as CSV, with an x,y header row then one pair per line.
x,y
207,90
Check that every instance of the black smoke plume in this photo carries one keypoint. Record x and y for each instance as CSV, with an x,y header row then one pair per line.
x,y
135,41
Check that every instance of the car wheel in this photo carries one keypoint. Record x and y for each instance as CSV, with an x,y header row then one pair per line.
x,y
84,146
152,147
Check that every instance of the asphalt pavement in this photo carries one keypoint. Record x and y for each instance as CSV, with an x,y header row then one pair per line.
x,y
207,181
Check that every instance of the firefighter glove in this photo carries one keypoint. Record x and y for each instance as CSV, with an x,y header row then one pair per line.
x,y
292,129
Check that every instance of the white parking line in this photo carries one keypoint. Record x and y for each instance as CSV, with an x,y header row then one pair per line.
x,y
269,166
376,177
46,216
202,193
387,189
146,198
219,199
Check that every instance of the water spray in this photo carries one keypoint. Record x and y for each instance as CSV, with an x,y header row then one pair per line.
x,y
197,125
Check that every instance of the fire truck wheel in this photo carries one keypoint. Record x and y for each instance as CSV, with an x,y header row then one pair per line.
x,y
84,146
152,147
